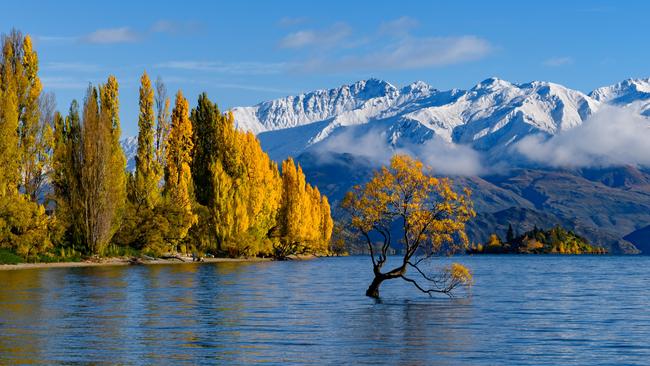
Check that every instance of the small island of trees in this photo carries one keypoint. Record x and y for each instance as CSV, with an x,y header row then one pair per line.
x,y
537,241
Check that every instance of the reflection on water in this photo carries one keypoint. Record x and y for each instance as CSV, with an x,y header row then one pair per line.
x,y
523,310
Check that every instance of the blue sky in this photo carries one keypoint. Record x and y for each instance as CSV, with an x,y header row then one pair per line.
x,y
244,52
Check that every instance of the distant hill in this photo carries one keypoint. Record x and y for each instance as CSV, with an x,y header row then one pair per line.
x,y
641,239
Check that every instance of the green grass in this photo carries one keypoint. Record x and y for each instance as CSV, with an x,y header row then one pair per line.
x,y
8,257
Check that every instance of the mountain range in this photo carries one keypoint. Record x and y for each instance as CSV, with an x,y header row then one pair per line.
x,y
535,154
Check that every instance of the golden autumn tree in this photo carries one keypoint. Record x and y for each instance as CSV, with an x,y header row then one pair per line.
x,y
146,171
116,170
235,181
431,216
148,220
178,177
305,223
9,117
88,174
24,226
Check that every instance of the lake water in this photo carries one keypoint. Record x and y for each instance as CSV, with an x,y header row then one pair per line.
x,y
522,310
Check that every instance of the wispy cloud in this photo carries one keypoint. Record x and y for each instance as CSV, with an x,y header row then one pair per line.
x,y
372,145
55,39
558,61
111,36
408,53
291,21
63,82
399,26
257,68
390,47
72,66
328,37
218,84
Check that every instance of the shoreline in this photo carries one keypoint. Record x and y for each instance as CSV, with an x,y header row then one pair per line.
x,y
106,262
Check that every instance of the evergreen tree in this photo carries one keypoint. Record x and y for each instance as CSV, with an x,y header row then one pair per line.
x,y
510,236
205,118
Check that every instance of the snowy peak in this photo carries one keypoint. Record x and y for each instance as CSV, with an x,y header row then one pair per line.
x,y
625,92
492,84
311,107
490,117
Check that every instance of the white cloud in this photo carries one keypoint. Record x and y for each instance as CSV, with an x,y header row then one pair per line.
x,y
558,61
399,26
56,39
244,68
443,157
72,66
407,53
291,21
112,35
390,47
612,136
329,37
61,82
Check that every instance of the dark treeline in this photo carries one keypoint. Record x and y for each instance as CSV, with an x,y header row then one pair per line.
x,y
199,183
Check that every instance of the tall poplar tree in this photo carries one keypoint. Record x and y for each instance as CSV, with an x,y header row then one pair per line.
x,y
146,172
9,117
178,177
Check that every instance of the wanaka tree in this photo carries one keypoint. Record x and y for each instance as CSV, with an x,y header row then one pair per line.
x,y
431,217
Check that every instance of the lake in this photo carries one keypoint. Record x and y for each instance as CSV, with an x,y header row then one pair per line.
x,y
522,310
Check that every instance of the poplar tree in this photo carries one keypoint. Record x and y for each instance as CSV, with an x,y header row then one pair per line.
x,y
178,178
9,152
162,123
146,173
33,134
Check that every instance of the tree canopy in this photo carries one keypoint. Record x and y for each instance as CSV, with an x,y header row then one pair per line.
x,y
431,217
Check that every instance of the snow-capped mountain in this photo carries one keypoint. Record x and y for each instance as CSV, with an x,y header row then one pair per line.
x,y
625,92
492,115
490,118
130,147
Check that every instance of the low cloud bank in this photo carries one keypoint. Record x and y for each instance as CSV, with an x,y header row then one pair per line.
x,y
443,157
612,136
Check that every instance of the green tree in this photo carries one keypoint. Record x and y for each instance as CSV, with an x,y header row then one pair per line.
x,y
205,118
510,236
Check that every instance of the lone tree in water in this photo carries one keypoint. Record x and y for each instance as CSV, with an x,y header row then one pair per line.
x,y
430,214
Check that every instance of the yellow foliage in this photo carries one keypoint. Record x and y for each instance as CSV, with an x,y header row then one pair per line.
x,y
459,275
433,216
494,241
177,171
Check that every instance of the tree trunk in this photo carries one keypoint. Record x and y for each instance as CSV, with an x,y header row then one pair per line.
x,y
373,290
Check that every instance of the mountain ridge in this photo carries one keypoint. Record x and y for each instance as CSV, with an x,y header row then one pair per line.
x,y
341,135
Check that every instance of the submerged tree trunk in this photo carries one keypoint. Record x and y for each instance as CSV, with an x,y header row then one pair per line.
x,y
373,289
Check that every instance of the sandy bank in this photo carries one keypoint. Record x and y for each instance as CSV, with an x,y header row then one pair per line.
x,y
126,262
